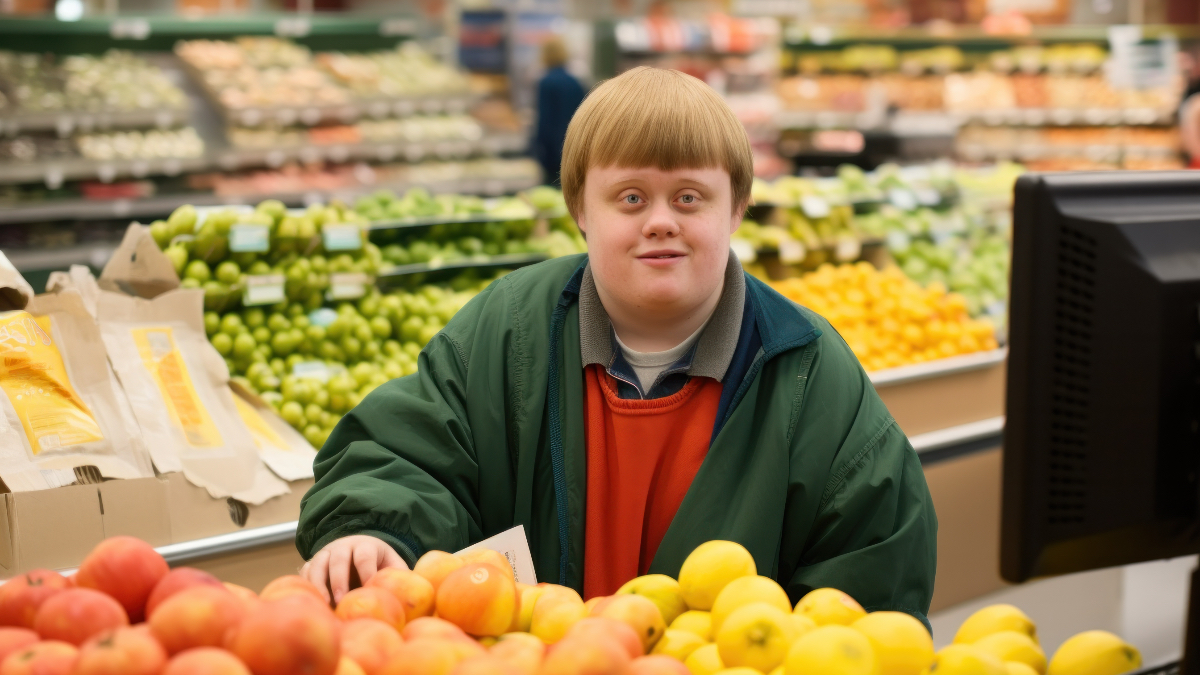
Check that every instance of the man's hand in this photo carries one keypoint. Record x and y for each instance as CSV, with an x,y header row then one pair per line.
x,y
329,570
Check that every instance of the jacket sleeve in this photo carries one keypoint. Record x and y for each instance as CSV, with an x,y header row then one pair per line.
x,y
867,516
875,533
401,465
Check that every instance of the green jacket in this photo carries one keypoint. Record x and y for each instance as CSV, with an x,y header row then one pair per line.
x,y
806,469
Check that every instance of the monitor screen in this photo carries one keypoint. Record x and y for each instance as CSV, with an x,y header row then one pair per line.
x,y
1102,438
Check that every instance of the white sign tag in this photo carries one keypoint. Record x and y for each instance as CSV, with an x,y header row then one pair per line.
x,y
513,545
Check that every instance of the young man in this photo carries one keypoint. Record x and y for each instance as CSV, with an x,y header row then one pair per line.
x,y
628,405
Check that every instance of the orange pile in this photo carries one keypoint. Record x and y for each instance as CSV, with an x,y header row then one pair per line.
x,y
888,319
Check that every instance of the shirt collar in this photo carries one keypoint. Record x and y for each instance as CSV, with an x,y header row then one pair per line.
x,y
711,354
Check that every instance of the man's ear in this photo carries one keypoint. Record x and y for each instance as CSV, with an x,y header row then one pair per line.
x,y
736,220
581,223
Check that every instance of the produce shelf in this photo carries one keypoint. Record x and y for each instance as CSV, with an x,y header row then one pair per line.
x,y
97,209
66,122
939,368
159,33
818,37
947,123
53,172
945,394
510,261
94,255
494,144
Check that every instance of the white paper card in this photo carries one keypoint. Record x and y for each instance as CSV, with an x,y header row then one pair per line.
x,y
513,545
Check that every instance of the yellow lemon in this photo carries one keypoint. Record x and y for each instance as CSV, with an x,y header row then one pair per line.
x,y
1009,645
803,624
705,660
678,644
902,644
660,589
757,635
829,605
709,568
965,660
741,670
994,619
1018,668
831,650
745,590
694,621
1095,652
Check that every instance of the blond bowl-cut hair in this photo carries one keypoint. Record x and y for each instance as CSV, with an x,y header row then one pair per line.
x,y
652,117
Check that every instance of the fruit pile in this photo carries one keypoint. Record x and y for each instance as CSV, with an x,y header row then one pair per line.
x,y
331,336
125,612
887,319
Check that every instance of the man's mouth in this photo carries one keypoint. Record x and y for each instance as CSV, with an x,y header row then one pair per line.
x,y
660,255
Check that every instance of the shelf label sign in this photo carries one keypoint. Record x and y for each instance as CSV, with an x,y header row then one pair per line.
x,y
249,238
263,289
902,198
347,286
791,251
129,29
743,249
342,237
316,370
814,206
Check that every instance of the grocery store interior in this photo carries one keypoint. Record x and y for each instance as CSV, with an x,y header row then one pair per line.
x,y
340,177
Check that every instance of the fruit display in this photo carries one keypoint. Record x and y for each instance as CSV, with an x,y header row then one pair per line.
x,y
260,71
153,144
939,223
887,319
417,129
290,295
407,70
115,81
125,611
251,72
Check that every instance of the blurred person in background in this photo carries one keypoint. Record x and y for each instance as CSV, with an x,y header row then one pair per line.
x,y
559,94
1189,111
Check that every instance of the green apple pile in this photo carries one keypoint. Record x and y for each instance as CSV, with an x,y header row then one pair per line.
x,y
314,366
199,248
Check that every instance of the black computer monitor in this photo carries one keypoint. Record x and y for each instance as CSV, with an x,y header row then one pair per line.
x,y
1102,438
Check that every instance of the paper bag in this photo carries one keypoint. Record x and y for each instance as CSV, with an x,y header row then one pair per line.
x,y
60,406
138,267
178,386
281,447
15,292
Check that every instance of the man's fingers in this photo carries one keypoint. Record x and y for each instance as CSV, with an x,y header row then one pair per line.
x,y
392,559
317,571
339,570
366,561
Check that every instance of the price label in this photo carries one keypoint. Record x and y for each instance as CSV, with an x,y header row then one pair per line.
x,y
322,317
814,206
129,29
928,197
298,26
902,199
315,370
898,240
263,289
847,249
791,251
743,249
249,237
342,237
395,27
347,286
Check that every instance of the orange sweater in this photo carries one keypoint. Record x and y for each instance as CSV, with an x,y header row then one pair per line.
x,y
641,458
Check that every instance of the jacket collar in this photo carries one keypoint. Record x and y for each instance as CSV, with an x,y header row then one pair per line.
x,y
712,352
780,323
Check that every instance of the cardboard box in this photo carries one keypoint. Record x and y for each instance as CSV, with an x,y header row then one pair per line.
x,y
79,516
196,515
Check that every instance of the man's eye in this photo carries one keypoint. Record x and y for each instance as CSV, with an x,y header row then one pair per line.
x,y
632,199
688,199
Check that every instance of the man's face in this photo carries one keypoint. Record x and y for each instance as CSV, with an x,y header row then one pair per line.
x,y
658,240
